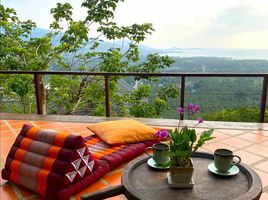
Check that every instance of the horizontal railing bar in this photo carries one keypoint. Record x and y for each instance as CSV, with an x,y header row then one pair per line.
x,y
163,74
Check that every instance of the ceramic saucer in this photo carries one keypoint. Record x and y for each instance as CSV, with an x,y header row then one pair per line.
x,y
153,164
233,171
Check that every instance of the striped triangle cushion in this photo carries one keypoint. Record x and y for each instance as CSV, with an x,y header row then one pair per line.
x,y
46,161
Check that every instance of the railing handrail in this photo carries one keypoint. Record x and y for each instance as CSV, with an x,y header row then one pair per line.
x,y
163,74
106,75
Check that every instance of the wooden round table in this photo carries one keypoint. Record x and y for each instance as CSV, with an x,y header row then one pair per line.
x,y
139,181
145,183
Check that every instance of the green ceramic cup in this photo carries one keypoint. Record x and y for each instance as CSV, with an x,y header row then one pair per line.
x,y
224,159
160,153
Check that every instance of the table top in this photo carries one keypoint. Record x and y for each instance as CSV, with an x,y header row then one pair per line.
x,y
145,183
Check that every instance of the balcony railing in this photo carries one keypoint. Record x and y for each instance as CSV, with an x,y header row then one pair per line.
x,y
38,76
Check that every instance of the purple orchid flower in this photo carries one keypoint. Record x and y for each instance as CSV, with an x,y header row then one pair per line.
x,y
197,108
161,135
181,110
200,120
164,134
190,106
157,134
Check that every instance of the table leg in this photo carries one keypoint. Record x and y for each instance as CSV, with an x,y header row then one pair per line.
x,y
105,193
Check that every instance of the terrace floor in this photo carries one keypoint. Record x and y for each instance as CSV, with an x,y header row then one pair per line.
x,y
248,140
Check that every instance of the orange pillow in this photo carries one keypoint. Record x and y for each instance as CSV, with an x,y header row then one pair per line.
x,y
123,131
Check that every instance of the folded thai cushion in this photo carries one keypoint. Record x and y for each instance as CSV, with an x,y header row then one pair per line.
x,y
58,165
115,154
48,162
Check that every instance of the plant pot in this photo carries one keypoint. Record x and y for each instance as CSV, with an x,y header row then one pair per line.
x,y
181,174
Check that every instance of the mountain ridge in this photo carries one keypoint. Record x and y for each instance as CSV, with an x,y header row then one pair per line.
x,y
179,51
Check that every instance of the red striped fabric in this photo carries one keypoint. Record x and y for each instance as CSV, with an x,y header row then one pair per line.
x,y
58,165
46,161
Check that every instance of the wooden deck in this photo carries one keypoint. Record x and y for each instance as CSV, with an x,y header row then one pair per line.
x,y
248,140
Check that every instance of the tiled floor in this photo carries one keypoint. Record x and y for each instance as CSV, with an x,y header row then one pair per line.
x,y
250,144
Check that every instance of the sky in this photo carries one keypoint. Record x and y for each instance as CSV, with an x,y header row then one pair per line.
x,y
239,24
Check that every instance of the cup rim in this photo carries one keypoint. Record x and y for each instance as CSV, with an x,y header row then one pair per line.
x,y
222,149
164,148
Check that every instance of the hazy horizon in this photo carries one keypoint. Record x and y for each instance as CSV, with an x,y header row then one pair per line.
x,y
236,24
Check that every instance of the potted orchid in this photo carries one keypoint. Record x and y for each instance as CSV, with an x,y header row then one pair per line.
x,y
183,143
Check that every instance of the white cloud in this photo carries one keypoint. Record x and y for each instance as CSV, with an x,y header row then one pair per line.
x,y
181,23
39,10
243,17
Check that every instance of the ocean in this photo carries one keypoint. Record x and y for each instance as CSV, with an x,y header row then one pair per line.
x,y
214,52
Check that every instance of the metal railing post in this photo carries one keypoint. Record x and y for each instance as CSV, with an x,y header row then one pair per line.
x,y
182,94
263,99
38,93
107,96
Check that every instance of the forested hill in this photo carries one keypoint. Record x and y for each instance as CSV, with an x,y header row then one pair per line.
x,y
216,64
196,63
105,45
224,99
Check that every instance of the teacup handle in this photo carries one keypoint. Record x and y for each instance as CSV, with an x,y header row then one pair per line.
x,y
148,148
239,160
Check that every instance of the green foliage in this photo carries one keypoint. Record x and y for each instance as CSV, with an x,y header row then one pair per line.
x,y
73,48
143,91
139,106
168,91
143,104
100,11
159,105
153,63
20,87
118,105
184,142
235,115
